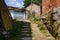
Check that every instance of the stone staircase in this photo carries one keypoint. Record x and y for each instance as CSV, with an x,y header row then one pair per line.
x,y
26,32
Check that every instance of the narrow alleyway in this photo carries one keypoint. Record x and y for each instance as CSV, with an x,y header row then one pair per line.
x,y
30,31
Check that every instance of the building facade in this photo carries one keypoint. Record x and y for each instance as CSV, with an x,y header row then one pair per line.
x,y
17,13
34,8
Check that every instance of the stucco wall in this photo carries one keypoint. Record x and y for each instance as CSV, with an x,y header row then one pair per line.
x,y
57,15
35,8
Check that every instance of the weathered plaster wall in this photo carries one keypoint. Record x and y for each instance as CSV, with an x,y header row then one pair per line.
x,y
35,8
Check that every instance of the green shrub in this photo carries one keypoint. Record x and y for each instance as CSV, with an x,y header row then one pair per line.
x,y
15,34
42,28
2,37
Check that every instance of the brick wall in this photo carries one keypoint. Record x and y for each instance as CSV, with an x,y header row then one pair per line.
x,y
45,6
58,2
48,4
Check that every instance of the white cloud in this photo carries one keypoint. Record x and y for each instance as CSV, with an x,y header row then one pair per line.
x,y
18,4
15,3
22,3
13,0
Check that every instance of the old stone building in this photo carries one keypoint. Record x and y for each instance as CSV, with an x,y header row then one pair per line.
x,y
34,8
17,13
5,17
51,14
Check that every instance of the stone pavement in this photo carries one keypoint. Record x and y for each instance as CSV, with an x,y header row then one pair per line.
x,y
37,35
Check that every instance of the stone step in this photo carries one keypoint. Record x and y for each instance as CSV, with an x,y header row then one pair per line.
x,y
26,38
26,35
26,26
25,29
26,32
26,23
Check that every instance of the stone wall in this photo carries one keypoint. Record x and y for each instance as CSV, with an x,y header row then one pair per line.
x,y
6,17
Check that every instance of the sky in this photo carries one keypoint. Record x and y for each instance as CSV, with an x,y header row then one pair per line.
x,y
15,3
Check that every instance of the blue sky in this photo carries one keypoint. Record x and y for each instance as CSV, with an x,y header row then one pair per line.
x,y
15,3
